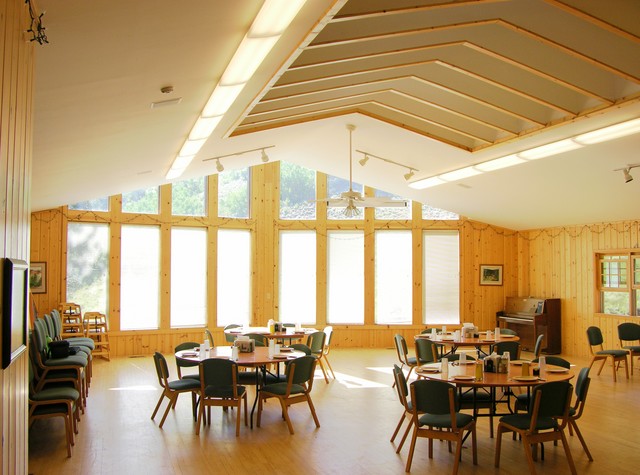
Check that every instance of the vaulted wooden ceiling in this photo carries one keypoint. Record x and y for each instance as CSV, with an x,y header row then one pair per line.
x,y
469,73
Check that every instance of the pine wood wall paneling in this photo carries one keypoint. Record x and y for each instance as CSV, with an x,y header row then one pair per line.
x,y
16,84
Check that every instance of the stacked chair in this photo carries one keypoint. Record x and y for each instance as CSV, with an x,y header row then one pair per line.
x,y
58,386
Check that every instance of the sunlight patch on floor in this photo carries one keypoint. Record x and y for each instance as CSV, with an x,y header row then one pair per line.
x,y
144,387
353,382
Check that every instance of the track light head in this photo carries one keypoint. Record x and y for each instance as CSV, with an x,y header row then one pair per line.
x,y
264,157
219,166
363,161
409,175
627,175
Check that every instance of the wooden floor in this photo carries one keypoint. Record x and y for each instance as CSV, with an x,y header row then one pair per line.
x,y
357,413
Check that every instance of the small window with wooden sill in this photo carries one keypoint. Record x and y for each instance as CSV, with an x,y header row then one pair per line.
x,y
618,277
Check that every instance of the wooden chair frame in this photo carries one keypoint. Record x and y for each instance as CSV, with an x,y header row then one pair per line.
x,y
169,390
594,334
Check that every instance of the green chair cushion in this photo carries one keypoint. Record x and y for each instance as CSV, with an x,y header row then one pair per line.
x,y
184,384
523,421
49,409
632,348
612,352
56,392
81,341
280,389
72,360
412,360
444,420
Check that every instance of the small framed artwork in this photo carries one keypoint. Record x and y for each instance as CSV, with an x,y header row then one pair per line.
x,y
38,277
490,274
14,309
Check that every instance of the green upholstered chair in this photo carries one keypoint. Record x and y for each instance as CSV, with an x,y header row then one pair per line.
x,y
184,363
435,416
629,336
260,340
55,401
575,411
299,374
229,337
209,336
537,349
402,391
219,387
328,331
594,335
522,400
172,389
511,347
426,351
545,421
56,321
316,343
508,331
403,354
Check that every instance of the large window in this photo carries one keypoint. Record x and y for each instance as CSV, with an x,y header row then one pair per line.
x,y
441,277
297,192
233,194
393,274
189,197
345,279
618,277
141,201
429,212
99,204
88,266
188,277
297,302
234,276
140,277
392,212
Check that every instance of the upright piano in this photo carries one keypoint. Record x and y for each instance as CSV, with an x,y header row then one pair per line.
x,y
531,317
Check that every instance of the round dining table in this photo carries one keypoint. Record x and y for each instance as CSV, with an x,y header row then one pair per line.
x,y
290,335
464,376
259,359
448,340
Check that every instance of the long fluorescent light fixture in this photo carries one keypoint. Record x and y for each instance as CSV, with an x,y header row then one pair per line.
x,y
607,133
271,21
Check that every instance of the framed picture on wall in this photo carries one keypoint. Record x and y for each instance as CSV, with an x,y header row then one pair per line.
x,y
490,274
14,309
38,277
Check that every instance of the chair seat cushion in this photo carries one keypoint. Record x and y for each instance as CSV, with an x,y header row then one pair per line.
x,y
412,360
523,421
52,409
57,392
280,389
81,341
616,353
223,391
73,360
444,420
184,384
634,348
191,376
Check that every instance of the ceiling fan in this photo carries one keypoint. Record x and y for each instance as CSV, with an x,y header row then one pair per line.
x,y
352,200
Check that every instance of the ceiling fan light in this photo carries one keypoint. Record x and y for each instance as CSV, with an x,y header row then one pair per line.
x,y
351,211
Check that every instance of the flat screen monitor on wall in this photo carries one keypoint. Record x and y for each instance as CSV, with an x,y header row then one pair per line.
x,y
15,283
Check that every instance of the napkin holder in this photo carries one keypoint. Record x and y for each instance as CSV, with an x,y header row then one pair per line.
x,y
245,345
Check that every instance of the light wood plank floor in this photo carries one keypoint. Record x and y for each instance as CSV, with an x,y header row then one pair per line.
x,y
357,413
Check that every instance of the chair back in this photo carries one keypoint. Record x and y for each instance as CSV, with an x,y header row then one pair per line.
x,y
316,341
328,331
260,340
301,370
555,361
57,322
162,370
550,400
40,338
401,386
432,396
508,331
594,335
302,347
538,347
511,347
218,377
229,338
182,363
582,385
426,351
51,329
628,331
401,348
209,336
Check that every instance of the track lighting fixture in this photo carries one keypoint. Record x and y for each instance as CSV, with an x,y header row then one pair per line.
x,y
367,155
219,166
264,157
626,171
